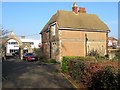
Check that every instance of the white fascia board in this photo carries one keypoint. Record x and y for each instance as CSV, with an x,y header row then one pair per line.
x,y
29,40
51,25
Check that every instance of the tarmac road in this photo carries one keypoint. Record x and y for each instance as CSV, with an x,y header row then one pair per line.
x,y
23,74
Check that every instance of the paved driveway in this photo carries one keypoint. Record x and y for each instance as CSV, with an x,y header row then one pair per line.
x,y
22,74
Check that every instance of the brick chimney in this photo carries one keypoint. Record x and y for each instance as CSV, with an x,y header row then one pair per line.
x,y
82,10
75,8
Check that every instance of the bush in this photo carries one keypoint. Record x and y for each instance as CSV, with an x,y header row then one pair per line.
x,y
77,69
39,53
81,70
105,79
91,68
65,62
93,53
98,56
94,75
117,53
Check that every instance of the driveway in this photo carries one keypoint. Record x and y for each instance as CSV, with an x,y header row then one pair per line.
x,y
23,74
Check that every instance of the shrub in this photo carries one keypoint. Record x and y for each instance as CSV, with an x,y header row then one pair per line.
x,y
97,55
77,69
66,59
91,68
105,79
117,53
93,74
81,70
93,53
39,53
65,62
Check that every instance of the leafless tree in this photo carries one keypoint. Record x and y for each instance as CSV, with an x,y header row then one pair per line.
x,y
3,34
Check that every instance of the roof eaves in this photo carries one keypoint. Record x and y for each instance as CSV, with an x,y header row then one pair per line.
x,y
52,20
83,29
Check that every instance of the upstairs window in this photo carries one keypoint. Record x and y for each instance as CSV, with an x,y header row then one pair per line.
x,y
53,27
13,43
31,43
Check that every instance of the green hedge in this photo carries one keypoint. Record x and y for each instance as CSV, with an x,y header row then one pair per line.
x,y
66,59
65,62
76,69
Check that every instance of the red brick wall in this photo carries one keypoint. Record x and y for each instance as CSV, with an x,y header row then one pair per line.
x,y
73,42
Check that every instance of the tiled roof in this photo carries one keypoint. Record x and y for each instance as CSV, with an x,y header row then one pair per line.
x,y
68,19
112,38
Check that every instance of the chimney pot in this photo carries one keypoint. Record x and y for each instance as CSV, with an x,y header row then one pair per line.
x,y
82,10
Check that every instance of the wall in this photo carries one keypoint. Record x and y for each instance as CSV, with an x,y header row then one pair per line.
x,y
50,43
74,42
11,46
16,46
54,41
36,42
96,41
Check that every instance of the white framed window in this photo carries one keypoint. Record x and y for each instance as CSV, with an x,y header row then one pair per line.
x,y
53,27
13,43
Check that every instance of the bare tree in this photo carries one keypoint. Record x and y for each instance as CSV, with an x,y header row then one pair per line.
x,y
3,34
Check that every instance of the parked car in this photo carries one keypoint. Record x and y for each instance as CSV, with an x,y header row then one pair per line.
x,y
15,54
30,57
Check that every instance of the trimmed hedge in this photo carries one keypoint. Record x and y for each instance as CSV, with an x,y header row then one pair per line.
x,y
65,62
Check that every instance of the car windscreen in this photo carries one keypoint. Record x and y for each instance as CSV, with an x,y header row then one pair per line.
x,y
29,54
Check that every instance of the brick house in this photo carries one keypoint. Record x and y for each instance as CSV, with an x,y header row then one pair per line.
x,y
74,33
112,43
